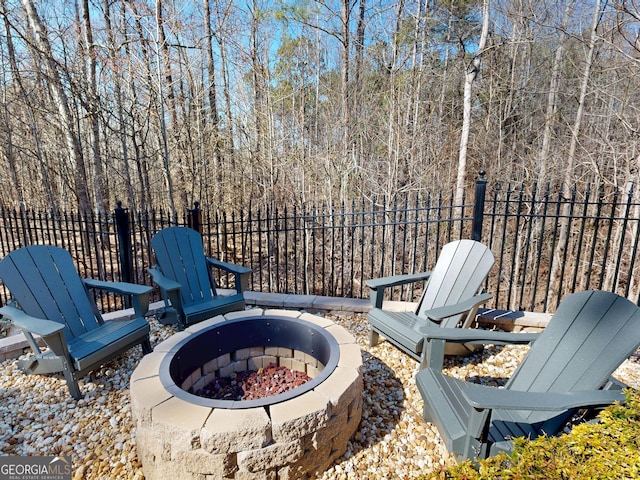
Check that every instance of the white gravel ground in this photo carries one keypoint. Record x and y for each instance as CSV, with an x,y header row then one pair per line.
x,y
38,416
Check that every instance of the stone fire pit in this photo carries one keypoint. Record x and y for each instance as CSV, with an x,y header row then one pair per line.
x,y
293,435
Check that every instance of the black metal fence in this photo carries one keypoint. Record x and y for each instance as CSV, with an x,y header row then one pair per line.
x,y
546,244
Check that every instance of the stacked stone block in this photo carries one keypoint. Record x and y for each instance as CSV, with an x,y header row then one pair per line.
x,y
294,439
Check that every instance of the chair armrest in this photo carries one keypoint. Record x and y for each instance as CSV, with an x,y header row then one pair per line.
x,y
241,273
440,313
139,293
395,280
34,325
164,283
229,267
435,339
483,397
122,288
377,286
476,335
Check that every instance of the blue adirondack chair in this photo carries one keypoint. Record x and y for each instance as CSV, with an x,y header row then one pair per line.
x,y
451,298
185,278
49,299
567,368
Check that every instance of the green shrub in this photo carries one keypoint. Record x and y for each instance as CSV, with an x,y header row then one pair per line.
x,y
608,449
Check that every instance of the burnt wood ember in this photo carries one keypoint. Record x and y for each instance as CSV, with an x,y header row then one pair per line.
x,y
250,384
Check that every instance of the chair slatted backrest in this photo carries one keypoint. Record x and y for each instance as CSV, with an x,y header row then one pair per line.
x,y
44,281
590,335
458,275
180,257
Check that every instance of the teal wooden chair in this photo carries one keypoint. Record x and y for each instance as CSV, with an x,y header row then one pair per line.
x,y
50,300
451,298
567,368
185,278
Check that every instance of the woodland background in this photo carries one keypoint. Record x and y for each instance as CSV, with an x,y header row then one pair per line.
x,y
163,103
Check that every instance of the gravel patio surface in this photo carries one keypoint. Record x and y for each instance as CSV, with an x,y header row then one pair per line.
x,y
39,417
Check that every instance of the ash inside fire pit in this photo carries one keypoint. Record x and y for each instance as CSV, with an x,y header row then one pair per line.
x,y
251,384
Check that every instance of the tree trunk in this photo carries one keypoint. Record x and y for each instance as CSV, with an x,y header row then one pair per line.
x,y
100,191
552,98
258,96
211,91
122,126
358,87
359,43
164,142
228,145
554,280
470,77
8,142
166,64
414,119
43,168
344,162
262,108
137,140
60,98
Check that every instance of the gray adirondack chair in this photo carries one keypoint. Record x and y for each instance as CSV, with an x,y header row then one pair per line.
x,y
568,368
450,299
185,278
50,300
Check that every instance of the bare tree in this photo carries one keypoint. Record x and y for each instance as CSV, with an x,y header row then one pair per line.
x,y
262,157
140,113
470,77
92,105
121,130
175,103
345,40
552,98
213,104
222,14
7,146
568,181
162,53
61,100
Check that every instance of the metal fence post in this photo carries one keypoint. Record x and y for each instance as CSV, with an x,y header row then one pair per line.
x,y
124,242
478,209
194,218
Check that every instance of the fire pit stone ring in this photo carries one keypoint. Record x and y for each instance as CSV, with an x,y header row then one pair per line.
x,y
295,435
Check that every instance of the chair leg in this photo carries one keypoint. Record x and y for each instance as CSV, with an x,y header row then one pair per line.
x,y
374,338
433,354
72,383
182,321
168,316
146,346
